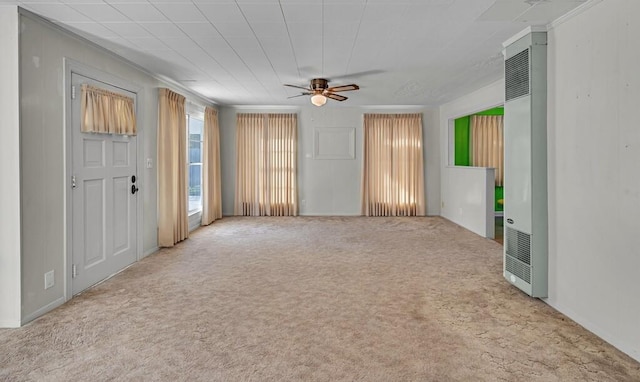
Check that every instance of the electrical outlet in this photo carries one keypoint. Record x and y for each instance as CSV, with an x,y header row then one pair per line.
x,y
49,280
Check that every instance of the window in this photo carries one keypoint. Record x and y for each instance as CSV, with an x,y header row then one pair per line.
x,y
195,127
266,180
393,176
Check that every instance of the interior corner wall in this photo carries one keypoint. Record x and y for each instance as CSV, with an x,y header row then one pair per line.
x,y
594,182
330,186
10,315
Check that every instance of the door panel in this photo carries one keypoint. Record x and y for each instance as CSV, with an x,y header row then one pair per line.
x,y
121,209
120,154
94,224
93,150
104,237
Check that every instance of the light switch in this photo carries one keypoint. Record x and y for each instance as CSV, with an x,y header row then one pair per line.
x,y
149,163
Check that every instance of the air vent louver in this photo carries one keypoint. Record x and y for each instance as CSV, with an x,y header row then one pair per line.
x,y
520,270
519,245
517,75
518,259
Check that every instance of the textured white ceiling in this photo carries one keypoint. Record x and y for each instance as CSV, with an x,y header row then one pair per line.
x,y
400,52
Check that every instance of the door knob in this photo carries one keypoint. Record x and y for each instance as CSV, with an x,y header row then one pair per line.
x,y
134,189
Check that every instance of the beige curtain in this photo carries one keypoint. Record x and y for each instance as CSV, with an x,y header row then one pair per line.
x,y
211,190
106,112
173,224
487,144
266,179
393,176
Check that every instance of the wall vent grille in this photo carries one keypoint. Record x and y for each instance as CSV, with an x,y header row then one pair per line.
x,y
518,269
518,258
519,245
517,75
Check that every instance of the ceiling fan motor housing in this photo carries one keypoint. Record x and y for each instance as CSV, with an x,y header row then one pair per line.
x,y
319,84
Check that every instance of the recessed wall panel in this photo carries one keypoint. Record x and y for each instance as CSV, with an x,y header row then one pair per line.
x,y
334,143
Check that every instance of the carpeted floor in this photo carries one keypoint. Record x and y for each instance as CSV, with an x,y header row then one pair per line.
x,y
312,299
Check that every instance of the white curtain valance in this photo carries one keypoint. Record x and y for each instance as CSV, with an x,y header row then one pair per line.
x,y
107,112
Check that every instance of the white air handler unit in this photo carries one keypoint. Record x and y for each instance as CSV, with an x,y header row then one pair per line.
x,y
525,163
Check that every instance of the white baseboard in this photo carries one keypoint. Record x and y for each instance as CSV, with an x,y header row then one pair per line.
x,y
10,324
150,252
45,309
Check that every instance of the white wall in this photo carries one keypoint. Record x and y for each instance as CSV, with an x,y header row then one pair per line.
x,y
9,169
44,183
330,186
593,169
470,198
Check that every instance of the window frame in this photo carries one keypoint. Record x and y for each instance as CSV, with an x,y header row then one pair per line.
x,y
193,112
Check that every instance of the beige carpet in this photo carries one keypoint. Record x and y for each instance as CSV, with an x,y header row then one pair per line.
x,y
312,299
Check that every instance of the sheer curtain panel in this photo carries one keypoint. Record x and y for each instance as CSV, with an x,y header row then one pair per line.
x,y
266,179
393,176
487,143
173,224
211,190
106,112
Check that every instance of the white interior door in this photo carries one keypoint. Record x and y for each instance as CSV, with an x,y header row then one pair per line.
x,y
104,237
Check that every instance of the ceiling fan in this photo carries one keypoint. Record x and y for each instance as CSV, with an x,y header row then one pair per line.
x,y
319,91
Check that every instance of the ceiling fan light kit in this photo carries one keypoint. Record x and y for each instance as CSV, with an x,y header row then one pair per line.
x,y
319,91
318,99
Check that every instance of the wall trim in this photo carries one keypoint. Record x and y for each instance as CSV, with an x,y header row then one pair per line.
x,y
332,214
150,251
524,32
573,13
45,309
592,327
292,109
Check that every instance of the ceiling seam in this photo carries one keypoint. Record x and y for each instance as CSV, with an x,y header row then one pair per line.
x,y
355,39
286,25
241,59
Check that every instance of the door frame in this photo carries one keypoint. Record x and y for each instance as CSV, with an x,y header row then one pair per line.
x,y
74,67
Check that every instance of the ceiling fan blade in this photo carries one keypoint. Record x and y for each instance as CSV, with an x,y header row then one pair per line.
x,y
300,95
296,86
337,97
343,88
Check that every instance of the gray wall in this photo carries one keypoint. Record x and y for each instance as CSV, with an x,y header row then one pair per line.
x,y
44,183
330,186
9,169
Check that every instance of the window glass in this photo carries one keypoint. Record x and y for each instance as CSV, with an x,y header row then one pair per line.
x,y
195,163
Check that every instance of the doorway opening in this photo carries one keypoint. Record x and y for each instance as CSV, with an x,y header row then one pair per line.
x,y
463,154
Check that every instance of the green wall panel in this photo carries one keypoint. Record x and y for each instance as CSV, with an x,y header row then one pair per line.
x,y
462,140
